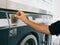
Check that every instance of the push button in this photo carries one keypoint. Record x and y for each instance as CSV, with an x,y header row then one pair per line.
x,y
13,32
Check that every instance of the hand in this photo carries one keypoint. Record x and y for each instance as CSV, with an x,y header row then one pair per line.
x,y
21,15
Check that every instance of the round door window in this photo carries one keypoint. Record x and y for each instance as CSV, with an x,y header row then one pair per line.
x,y
29,40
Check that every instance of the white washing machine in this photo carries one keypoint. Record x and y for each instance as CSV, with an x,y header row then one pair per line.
x,y
19,33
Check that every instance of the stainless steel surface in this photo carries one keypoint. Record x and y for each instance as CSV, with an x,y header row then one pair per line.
x,y
49,40
1,28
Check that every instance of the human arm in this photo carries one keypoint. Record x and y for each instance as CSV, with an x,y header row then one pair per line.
x,y
38,27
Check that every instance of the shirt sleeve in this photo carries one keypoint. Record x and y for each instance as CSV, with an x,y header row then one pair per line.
x,y
55,28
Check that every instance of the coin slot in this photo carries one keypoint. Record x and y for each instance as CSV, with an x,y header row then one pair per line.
x,y
12,19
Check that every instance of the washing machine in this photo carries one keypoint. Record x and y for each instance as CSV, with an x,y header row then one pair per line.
x,y
19,33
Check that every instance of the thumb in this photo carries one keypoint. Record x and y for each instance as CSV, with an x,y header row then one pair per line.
x,y
17,16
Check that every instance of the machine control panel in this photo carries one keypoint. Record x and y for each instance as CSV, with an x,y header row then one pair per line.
x,y
10,21
40,18
3,19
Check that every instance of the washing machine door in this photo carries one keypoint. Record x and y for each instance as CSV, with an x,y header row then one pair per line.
x,y
29,40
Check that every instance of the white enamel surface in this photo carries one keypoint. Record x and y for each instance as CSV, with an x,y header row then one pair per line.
x,y
20,23
3,22
40,4
3,3
20,6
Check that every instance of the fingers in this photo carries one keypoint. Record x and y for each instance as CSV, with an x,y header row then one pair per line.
x,y
17,17
18,13
21,12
